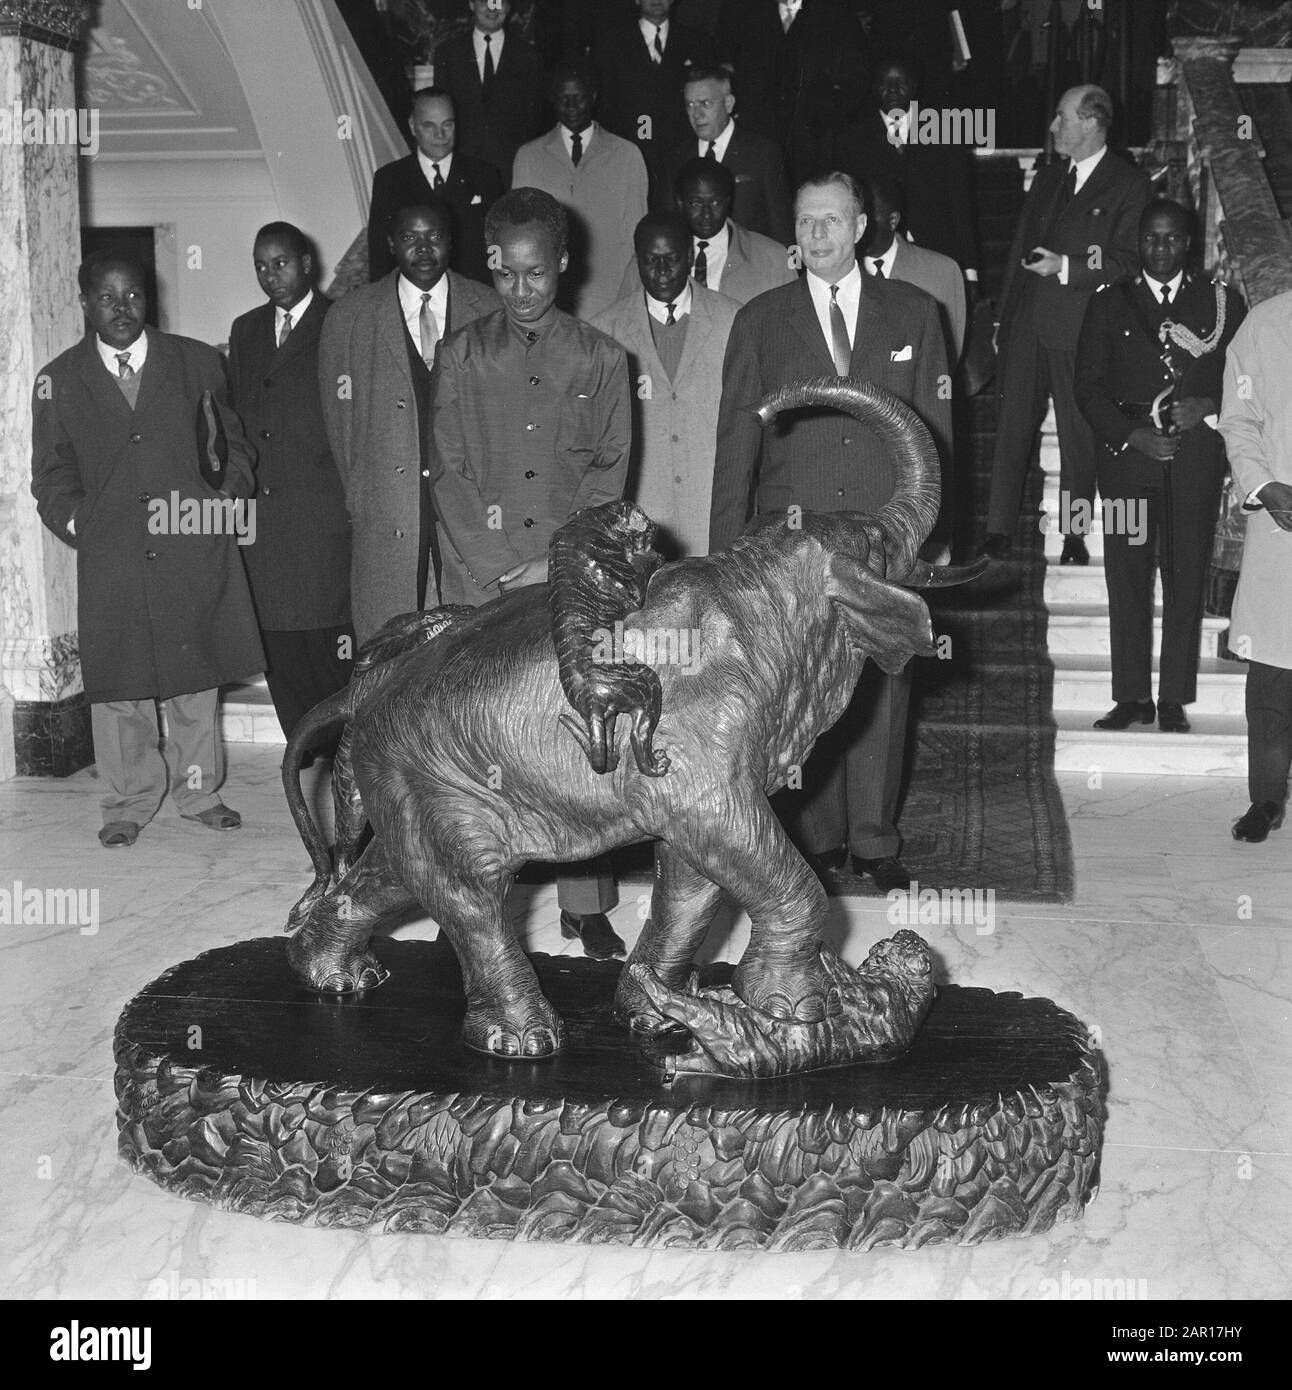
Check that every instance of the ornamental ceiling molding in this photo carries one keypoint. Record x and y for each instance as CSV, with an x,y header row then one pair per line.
x,y
115,77
59,23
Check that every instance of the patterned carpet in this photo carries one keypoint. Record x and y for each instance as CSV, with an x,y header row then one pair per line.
x,y
982,808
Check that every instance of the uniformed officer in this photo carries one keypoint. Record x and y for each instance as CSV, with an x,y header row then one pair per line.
x,y
1150,361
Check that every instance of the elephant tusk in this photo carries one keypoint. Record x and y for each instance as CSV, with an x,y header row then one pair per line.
x,y
925,576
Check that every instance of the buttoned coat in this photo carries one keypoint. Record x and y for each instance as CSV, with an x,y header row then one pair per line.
x,y
299,564
1099,233
493,126
160,611
370,408
1256,422
605,197
820,460
762,202
471,189
755,264
528,430
674,422
941,277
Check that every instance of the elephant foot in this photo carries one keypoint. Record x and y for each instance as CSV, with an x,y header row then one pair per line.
x,y
328,971
529,1027
634,1008
802,992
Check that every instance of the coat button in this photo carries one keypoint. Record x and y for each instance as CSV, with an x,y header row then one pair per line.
x,y
265,491
676,440
135,438
150,554
264,434
426,472
531,426
846,439
399,535
839,493
529,472
399,468
533,381
529,521
267,383
399,405
145,497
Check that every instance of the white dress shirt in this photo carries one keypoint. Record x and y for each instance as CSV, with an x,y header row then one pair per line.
x,y
410,305
789,9
849,302
658,309
138,351
715,256
567,136
886,260
719,145
898,122
428,167
1173,284
1084,167
297,313
495,47
647,26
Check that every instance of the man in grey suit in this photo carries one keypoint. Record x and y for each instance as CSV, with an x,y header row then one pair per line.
x,y
834,320
725,257
376,351
675,335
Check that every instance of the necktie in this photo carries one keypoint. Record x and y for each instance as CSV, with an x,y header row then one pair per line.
x,y
701,271
1166,294
788,13
428,330
708,152
658,55
439,178
124,370
486,80
285,329
839,334
894,122
576,148
671,318
1066,192
878,263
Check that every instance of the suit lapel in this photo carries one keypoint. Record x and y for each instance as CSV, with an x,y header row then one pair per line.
x,y
806,324
105,391
872,335
639,331
392,330
697,333
160,374
303,335
735,246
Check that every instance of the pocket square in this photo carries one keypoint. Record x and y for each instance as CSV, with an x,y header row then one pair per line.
x,y
476,199
904,355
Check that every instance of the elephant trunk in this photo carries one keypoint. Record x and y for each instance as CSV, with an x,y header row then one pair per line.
x,y
908,516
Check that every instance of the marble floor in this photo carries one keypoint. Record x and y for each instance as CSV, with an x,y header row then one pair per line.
x,y
1177,950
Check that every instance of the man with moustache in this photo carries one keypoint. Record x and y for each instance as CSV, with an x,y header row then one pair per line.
x,y
376,353
1170,466
1077,231
600,180
675,335
532,423
495,80
467,184
725,256
299,563
163,614
834,321
761,196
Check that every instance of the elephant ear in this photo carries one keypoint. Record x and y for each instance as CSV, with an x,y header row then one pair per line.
x,y
887,623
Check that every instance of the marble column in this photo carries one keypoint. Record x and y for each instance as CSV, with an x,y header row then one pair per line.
x,y
44,717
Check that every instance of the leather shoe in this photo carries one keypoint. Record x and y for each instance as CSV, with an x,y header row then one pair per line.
x,y
600,940
1170,718
1261,818
995,546
888,872
1127,712
1074,551
829,861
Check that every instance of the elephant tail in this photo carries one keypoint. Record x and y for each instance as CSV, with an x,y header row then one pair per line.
x,y
331,711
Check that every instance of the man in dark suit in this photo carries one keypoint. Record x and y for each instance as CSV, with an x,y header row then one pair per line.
x,y
800,72
299,565
834,320
885,140
123,425
1160,478
532,424
496,82
641,65
468,185
1078,230
757,164
375,356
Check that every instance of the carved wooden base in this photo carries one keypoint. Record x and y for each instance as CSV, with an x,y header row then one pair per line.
x,y
237,1087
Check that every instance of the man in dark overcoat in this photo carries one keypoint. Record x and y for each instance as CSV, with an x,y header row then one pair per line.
x,y
299,564
122,426
1159,478
376,352
834,321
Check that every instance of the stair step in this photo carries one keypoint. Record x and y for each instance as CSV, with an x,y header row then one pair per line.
x,y
1083,684
1215,747
1080,629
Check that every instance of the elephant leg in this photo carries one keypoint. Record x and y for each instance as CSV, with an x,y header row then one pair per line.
x,y
330,952
682,907
752,858
464,887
